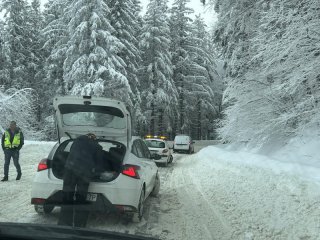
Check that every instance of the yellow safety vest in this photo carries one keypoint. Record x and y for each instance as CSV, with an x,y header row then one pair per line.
x,y
16,140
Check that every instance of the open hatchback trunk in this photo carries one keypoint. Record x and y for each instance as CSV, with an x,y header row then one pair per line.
x,y
108,119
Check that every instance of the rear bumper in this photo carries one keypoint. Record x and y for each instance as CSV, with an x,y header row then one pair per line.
x,y
181,147
164,159
109,194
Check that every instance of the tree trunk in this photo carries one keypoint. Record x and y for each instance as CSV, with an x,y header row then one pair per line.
x,y
199,119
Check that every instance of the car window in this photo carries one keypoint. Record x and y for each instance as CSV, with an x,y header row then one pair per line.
x,y
137,149
145,150
134,150
155,144
93,119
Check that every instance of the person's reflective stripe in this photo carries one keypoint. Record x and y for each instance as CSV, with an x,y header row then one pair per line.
x,y
7,143
16,140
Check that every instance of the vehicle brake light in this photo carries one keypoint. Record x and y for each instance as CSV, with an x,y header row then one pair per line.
x,y
131,171
37,201
43,165
165,151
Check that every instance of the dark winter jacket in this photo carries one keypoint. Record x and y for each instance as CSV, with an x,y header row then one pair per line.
x,y
17,130
83,157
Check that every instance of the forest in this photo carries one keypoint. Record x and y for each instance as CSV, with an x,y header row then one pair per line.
x,y
165,65
159,63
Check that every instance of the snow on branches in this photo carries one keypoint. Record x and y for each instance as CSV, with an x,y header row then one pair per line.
x,y
20,106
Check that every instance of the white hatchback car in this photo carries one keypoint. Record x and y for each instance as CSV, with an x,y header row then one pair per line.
x,y
160,146
128,175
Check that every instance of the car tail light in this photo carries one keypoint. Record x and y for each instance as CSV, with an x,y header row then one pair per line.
x,y
43,165
165,151
37,201
131,171
123,208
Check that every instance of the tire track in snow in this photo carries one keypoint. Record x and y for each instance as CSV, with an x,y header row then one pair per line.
x,y
185,212
205,215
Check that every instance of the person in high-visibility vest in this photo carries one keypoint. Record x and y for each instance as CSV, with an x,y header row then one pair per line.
x,y
12,141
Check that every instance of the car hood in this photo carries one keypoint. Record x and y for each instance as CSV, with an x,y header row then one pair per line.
x,y
106,118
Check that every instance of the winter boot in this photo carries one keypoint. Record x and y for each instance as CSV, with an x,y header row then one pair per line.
x,y
4,179
18,176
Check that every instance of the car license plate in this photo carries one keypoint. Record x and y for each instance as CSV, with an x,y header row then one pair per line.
x,y
92,197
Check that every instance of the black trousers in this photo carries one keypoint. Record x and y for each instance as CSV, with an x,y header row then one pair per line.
x,y
8,154
75,209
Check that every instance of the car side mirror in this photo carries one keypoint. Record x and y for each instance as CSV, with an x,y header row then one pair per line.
x,y
155,156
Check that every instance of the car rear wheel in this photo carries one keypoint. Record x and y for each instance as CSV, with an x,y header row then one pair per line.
x,y
137,216
165,164
156,188
43,209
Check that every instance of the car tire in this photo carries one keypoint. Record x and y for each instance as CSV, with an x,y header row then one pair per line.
x,y
137,216
189,151
165,164
43,209
156,188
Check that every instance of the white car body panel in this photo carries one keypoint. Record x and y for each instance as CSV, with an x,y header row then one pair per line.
x,y
183,143
165,156
122,135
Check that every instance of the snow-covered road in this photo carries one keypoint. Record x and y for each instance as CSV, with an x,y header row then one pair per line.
x,y
213,194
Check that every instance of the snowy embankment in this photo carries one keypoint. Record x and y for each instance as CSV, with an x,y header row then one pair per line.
x,y
259,197
213,194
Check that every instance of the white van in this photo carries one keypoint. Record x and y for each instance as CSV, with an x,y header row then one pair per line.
x,y
183,143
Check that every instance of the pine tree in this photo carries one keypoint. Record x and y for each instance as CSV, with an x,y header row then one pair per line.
x,y
92,66
53,39
124,18
35,24
4,56
186,70
17,42
55,36
205,80
159,93
272,53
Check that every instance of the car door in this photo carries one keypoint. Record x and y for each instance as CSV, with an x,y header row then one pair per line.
x,y
137,150
151,166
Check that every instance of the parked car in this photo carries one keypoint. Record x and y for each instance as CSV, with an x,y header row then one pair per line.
x,y
129,173
161,147
183,143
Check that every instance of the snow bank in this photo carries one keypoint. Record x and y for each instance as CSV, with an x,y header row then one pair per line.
x,y
300,156
260,197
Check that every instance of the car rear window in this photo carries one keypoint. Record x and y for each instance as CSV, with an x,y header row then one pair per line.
x,y
96,116
182,139
155,144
